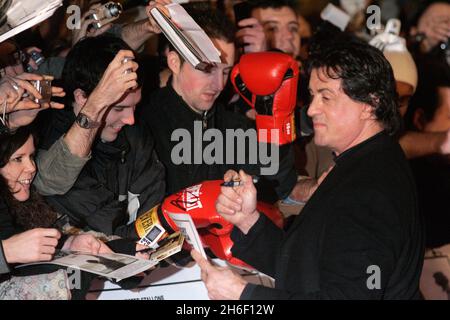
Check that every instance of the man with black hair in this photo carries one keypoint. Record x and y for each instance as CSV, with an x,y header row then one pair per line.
x,y
123,177
359,236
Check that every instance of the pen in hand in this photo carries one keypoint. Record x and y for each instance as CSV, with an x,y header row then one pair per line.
x,y
236,183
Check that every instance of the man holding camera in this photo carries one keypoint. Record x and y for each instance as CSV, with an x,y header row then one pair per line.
x,y
122,177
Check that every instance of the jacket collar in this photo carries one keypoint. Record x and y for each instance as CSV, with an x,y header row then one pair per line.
x,y
362,147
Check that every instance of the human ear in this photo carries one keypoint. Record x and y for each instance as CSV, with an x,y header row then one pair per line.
x,y
174,62
80,100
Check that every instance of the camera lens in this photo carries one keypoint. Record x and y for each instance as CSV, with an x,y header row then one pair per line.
x,y
114,9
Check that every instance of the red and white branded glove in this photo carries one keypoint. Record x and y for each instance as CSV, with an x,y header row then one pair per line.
x,y
267,81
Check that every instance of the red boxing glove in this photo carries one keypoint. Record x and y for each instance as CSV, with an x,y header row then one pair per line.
x,y
199,202
267,81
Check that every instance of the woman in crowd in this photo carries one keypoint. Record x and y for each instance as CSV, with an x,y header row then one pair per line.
x,y
27,228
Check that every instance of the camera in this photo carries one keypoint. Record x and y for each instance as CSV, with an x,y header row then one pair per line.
x,y
44,87
125,60
38,58
108,12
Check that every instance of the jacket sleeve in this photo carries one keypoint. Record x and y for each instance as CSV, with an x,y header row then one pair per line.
x,y
92,204
356,236
7,230
260,246
58,169
148,177
4,268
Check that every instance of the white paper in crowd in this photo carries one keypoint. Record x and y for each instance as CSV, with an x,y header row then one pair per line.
x,y
389,39
335,16
352,7
112,265
180,1
170,283
22,15
194,31
187,228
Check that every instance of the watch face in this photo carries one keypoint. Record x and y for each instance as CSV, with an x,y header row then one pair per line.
x,y
83,121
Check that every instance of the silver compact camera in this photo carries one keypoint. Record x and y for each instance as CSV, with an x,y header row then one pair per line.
x,y
44,87
105,14
125,60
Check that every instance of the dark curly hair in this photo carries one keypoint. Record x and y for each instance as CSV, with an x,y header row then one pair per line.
x,y
366,76
34,212
87,61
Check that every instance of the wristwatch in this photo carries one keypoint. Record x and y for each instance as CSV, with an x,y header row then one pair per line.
x,y
85,122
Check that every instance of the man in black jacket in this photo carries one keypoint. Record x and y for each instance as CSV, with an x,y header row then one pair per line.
x,y
123,178
359,235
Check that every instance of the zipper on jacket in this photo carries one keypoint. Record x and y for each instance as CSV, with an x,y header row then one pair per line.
x,y
122,156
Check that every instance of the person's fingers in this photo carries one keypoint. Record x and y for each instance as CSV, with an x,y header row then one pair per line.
x,y
84,28
104,248
95,245
122,54
221,209
231,194
250,33
246,179
103,29
58,92
140,247
26,104
202,262
47,250
230,175
249,22
29,88
242,32
49,241
56,105
129,65
45,257
31,49
141,255
29,76
228,203
250,40
49,232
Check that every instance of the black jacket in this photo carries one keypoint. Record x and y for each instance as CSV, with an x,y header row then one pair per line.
x,y
363,216
117,172
432,174
166,112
